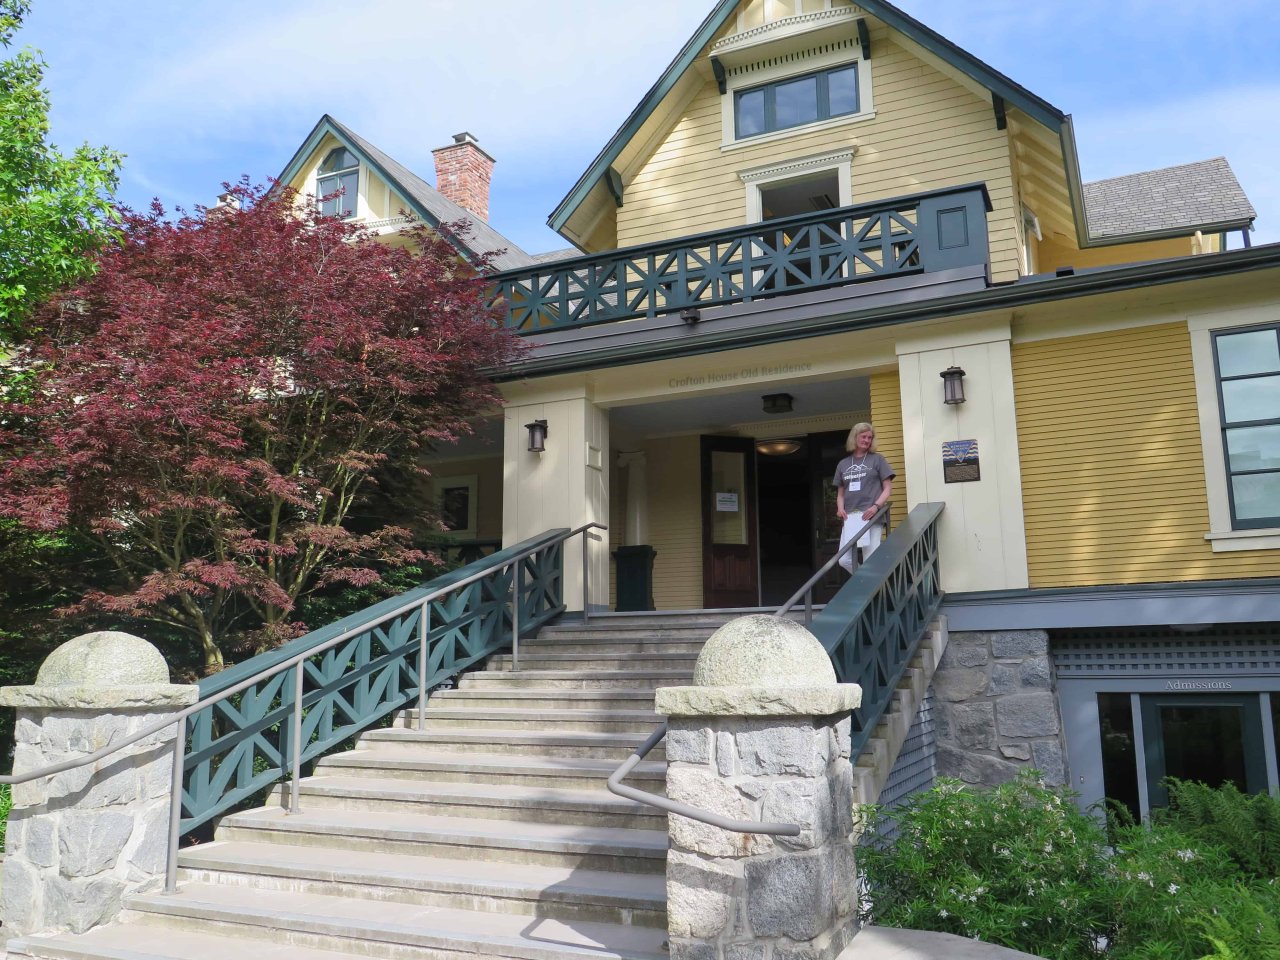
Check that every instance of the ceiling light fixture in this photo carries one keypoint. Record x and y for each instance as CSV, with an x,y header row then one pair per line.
x,y
777,448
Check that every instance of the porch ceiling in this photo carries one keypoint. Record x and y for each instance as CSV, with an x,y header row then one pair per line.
x,y
721,411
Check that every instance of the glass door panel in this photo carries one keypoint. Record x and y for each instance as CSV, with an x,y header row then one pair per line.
x,y
1209,739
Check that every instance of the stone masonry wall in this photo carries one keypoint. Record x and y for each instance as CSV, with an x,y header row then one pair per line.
x,y
737,896
80,841
997,712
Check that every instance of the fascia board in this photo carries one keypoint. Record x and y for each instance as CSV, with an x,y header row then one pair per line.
x,y
683,61
325,127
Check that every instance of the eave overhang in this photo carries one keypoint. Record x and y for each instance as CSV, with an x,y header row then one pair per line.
x,y
1014,95
328,127
906,309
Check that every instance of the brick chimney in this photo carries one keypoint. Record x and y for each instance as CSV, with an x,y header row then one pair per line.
x,y
463,172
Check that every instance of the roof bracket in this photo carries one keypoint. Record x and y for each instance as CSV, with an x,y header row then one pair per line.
x,y
864,37
718,69
613,180
997,104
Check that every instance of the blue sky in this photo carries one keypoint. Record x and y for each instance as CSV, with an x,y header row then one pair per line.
x,y
198,92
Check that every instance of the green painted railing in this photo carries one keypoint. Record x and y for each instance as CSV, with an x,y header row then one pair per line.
x,y
350,674
873,626
921,233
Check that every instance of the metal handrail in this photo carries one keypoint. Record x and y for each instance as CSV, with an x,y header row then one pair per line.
x,y
615,783
294,662
882,517
616,786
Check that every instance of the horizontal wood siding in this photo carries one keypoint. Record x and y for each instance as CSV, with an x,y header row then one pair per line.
x,y
928,132
886,416
1113,479
675,521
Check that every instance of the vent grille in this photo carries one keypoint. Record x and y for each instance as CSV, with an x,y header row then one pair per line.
x,y
1113,654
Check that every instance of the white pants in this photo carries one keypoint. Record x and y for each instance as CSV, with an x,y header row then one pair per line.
x,y
868,541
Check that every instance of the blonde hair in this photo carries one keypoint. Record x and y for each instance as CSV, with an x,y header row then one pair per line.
x,y
851,443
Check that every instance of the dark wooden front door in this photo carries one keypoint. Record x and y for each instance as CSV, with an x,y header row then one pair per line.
x,y
730,560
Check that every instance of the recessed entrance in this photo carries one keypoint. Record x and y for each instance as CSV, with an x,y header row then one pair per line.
x,y
799,530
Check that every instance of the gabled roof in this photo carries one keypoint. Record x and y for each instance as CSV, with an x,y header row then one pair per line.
x,y
1013,93
1174,200
425,201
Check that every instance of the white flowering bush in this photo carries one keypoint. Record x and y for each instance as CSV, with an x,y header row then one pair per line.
x,y
1020,866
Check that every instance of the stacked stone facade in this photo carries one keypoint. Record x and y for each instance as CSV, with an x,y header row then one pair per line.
x,y
463,174
997,712
741,896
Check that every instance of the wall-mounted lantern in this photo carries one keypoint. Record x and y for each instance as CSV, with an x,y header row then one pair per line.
x,y
952,385
775,403
537,436
690,315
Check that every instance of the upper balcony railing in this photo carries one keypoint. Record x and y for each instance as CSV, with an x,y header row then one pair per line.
x,y
921,233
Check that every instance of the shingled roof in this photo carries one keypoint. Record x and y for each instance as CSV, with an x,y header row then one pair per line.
x,y
1182,199
476,238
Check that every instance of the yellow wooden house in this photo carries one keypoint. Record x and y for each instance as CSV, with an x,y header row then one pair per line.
x,y
824,213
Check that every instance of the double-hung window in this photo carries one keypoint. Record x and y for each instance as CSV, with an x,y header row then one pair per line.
x,y
1248,370
338,183
796,101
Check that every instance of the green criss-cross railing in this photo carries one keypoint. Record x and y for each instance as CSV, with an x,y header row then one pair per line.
x,y
873,626
920,233
261,720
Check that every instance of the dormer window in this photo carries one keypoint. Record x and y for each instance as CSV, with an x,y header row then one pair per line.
x,y
796,101
340,171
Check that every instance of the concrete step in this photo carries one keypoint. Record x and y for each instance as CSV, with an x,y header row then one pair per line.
x,y
574,679
127,941
594,633
508,741
597,721
567,644
526,771
592,808
454,838
562,893
385,929
587,659
541,699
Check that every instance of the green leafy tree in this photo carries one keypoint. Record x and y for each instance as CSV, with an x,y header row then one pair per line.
x,y
54,210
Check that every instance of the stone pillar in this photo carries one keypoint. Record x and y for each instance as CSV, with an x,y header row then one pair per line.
x,y
80,841
762,735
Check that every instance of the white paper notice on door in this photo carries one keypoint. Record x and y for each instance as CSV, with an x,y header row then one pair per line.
x,y
726,503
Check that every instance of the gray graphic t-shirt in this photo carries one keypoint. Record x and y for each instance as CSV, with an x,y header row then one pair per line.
x,y
862,479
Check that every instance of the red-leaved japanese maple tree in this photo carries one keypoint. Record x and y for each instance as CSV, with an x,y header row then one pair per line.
x,y
220,396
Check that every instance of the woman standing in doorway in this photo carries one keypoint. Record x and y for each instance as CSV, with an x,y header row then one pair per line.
x,y
863,481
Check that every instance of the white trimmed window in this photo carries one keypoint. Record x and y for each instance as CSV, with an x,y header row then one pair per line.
x,y
797,93
458,505
338,183
1237,367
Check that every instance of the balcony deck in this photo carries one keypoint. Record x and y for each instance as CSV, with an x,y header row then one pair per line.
x,y
922,233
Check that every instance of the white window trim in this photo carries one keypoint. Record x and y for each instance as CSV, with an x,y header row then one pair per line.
x,y
362,209
754,76
841,161
1221,536
470,483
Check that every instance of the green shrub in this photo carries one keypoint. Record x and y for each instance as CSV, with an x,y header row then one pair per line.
x,y
1017,865
1243,925
6,804
1246,826
1020,866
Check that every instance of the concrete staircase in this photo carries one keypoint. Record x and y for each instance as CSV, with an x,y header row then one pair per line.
x,y
489,833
